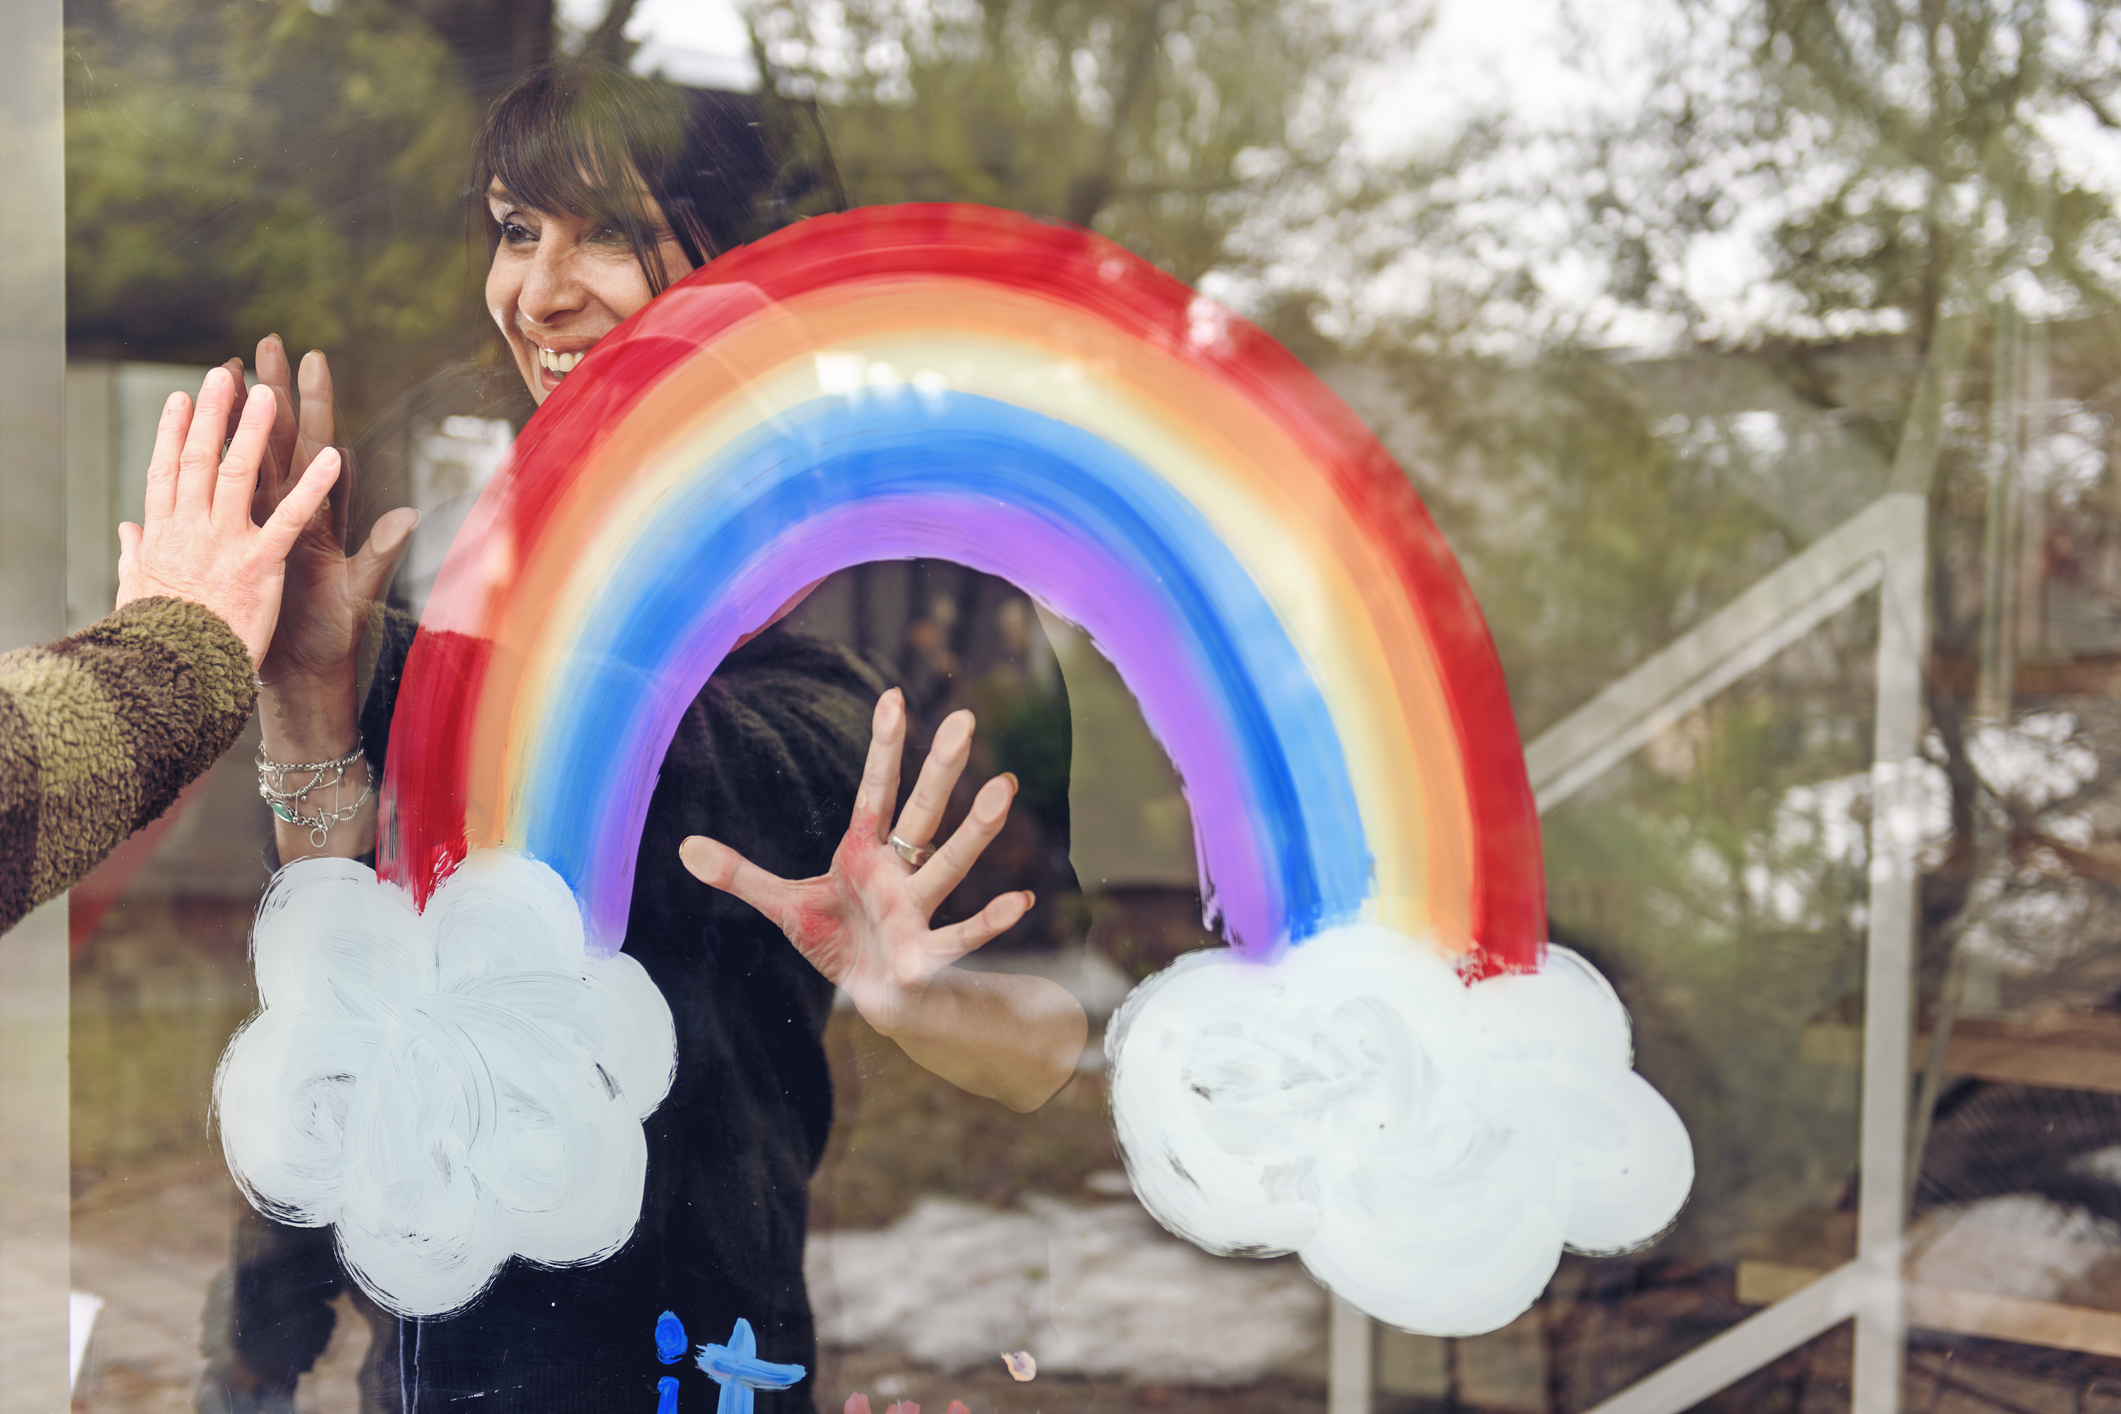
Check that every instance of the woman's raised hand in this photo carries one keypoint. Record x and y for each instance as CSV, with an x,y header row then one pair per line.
x,y
197,541
328,591
864,924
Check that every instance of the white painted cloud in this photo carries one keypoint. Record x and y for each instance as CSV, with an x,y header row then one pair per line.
x,y
1428,1148
446,1088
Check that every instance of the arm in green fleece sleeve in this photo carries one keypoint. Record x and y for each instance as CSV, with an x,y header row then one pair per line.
x,y
98,733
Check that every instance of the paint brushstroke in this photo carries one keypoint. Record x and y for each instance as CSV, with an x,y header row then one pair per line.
x,y
1429,1149
736,1367
446,1088
670,1342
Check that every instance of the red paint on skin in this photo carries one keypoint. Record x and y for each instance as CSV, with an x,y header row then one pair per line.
x,y
1084,272
820,934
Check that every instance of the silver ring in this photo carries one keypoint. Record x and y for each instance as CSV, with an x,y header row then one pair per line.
x,y
914,854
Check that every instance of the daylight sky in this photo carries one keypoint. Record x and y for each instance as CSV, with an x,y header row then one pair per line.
x,y
1478,54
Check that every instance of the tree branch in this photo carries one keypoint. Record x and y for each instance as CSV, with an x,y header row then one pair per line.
x,y
608,39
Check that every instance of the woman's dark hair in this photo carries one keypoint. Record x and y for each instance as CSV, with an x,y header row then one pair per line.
x,y
584,137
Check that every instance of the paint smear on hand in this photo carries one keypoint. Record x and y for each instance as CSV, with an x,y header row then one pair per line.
x,y
448,1088
1021,1366
1429,1148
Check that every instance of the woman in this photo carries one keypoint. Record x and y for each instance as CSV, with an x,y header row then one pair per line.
x,y
602,189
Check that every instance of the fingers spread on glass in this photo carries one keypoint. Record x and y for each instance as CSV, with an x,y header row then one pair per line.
x,y
879,787
170,437
273,373
933,881
284,526
865,922
302,426
1001,914
947,756
200,461
238,472
318,420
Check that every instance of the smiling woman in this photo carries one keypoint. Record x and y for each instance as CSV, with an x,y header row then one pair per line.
x,y
603,190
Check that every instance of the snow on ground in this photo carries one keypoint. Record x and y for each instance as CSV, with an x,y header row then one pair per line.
x,y
1088,1290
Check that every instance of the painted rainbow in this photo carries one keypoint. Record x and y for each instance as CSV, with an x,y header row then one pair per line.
x,y
1029,399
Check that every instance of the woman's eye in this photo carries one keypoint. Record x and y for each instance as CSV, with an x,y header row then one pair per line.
x,y
516,233
609,235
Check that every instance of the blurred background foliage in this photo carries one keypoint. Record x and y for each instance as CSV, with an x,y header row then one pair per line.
x,y
235,170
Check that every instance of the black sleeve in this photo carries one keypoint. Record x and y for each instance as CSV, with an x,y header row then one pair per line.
x,y
394,629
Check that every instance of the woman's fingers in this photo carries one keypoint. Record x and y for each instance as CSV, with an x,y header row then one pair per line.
x,y
716,864
238,477
879,788
318,419
368,569
274,373
947,945
931,793
169,448
933,881
285,524
200,462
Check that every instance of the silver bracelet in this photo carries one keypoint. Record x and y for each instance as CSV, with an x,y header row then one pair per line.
x,y
286,801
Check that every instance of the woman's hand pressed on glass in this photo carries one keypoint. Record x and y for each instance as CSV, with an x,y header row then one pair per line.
x,y
307,711
329,591
864,924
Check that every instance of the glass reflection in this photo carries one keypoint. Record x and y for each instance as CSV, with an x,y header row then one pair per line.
x,y
1644,321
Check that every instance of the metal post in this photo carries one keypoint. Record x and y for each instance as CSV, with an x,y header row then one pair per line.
x,y
1350,1360
1881,1213
33,970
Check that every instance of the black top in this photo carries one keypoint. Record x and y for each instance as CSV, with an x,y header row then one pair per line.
x,y
767,759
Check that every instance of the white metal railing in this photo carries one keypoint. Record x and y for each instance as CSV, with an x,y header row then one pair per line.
x,y
1883,547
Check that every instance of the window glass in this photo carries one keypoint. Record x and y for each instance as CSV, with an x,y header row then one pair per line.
x,y
1756,366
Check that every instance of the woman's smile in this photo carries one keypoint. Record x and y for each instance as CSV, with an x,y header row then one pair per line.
x,y
554,358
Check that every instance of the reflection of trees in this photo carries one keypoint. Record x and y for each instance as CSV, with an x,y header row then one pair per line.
x,y
1157,121
233,171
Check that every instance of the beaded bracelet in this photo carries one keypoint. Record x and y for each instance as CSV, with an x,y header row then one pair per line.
x,y
286,802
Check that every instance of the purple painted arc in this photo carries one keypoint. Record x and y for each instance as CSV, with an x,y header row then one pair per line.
x,y
1048,562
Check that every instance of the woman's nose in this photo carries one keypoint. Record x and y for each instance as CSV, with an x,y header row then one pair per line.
x,y
550,286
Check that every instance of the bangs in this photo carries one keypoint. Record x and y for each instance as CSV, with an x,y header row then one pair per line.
x,y
584,138
581,140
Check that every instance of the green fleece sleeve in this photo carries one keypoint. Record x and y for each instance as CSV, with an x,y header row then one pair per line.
x,y
98,733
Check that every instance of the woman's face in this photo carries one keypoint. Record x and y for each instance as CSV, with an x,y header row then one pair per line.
x,y
559,283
